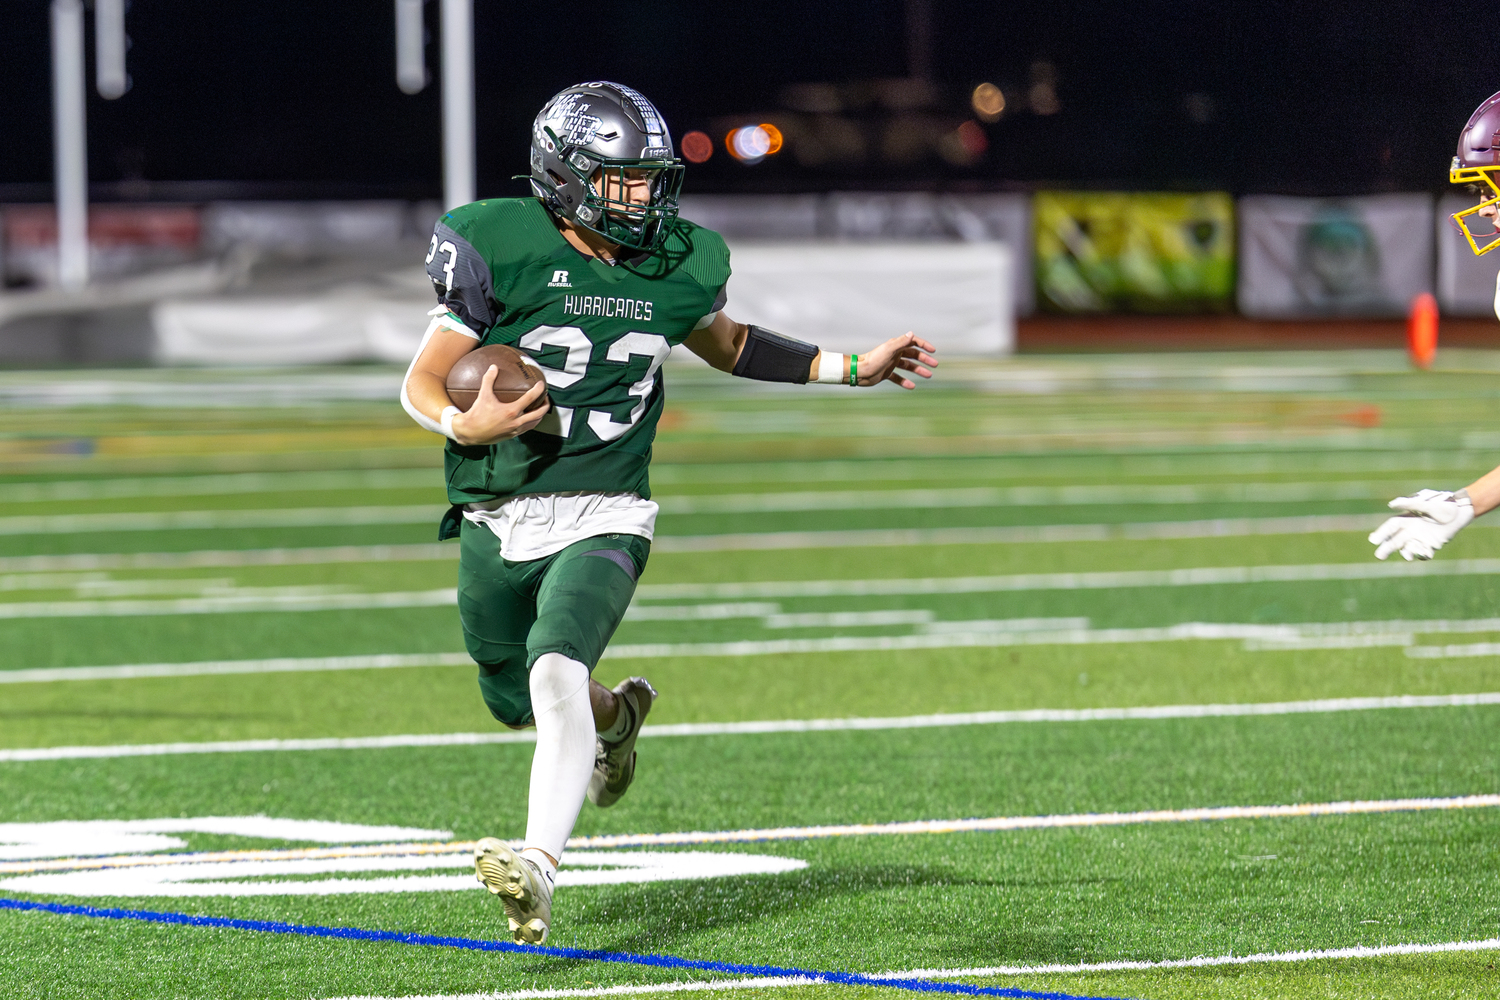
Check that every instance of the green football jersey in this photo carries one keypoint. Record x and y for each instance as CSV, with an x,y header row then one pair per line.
x,y
599,332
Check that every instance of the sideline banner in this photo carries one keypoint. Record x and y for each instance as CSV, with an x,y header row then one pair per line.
x,y
848,297
919,216
1117,251
884,217
1465,283
1311,257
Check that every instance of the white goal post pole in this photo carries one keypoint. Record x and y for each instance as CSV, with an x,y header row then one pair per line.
x,y
458,102
411,43
69,144
110,78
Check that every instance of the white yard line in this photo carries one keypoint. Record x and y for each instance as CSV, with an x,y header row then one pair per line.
x,y
241,603
185,520
323,517
1002,823
1203,961
1206,961
981,634
1443,652
281,665
251,600
234,483
931,635
992,824
439,552
1019,496
1145,712
760,983
1107,580
229,558
1144,530
756,983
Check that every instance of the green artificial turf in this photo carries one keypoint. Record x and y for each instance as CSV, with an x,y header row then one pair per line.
x,y
873,903
1149,892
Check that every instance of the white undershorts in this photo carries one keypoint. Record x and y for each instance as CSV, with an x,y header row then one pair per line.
x,y
538,524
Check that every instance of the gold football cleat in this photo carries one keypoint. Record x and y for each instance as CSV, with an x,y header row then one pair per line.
x,y
522,887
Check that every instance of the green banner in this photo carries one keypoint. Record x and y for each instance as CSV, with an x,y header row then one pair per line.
x,y
1119,252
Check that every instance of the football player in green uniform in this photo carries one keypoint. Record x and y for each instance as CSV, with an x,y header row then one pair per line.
x,y
596,279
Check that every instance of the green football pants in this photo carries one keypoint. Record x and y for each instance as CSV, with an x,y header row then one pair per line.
x,y
570,602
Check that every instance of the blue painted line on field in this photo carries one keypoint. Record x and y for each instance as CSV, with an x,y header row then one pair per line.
x,y
584,954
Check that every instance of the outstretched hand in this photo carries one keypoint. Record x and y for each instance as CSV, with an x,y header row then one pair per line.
x,y
1428,520
894,358
490,420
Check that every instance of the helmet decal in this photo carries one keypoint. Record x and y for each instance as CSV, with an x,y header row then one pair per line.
x,y
570,121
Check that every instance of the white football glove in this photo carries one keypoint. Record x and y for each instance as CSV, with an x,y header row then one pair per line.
x,y
1430,519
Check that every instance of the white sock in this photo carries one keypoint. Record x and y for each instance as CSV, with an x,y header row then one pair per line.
x,y
539,857
564,759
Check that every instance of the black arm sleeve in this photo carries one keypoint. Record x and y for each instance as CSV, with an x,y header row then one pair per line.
x,y
770,357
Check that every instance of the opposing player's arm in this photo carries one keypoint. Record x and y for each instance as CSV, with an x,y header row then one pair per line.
x,y
1430,518
425,394
757,353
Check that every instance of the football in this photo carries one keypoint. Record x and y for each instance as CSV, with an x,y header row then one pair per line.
x,y
517,374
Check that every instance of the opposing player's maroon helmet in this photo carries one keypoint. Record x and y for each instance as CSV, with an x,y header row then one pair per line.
x,y
1477,162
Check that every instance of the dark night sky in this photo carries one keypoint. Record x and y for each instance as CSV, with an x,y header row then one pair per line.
x,y
300,98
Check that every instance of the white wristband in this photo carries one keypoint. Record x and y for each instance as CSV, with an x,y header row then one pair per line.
x,y
833,369
449,412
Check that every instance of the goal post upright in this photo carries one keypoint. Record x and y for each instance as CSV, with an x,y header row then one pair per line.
x,y
69,144
458,102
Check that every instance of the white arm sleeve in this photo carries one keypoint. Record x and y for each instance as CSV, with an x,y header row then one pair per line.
x,y
442,319
1497,296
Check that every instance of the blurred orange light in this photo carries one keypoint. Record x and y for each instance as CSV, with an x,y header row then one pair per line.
x,y
988,102
774,134
697,147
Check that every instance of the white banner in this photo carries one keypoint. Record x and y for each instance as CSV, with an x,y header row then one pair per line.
x,y
756,216
272,331
849,297
1312,257
1465,282
891,217
972,218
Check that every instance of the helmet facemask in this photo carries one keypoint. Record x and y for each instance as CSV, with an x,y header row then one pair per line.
x,y
1490,194
607,208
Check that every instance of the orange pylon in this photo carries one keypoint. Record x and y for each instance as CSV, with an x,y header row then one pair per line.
x,y
1422,330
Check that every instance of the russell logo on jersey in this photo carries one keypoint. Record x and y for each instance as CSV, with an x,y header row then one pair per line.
x,y
559,280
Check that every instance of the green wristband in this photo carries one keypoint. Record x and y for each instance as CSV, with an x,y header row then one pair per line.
x,y
854,369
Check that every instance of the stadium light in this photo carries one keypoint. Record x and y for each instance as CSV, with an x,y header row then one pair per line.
x,y
458,102
411,41
69,149
110,42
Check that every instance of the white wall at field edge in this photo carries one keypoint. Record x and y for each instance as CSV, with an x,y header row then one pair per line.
x,y
848,297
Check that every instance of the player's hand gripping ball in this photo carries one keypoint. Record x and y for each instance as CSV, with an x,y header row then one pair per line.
x,y
515,374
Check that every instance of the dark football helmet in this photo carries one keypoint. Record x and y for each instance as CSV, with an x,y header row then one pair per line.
x,y
1477,163
597,130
